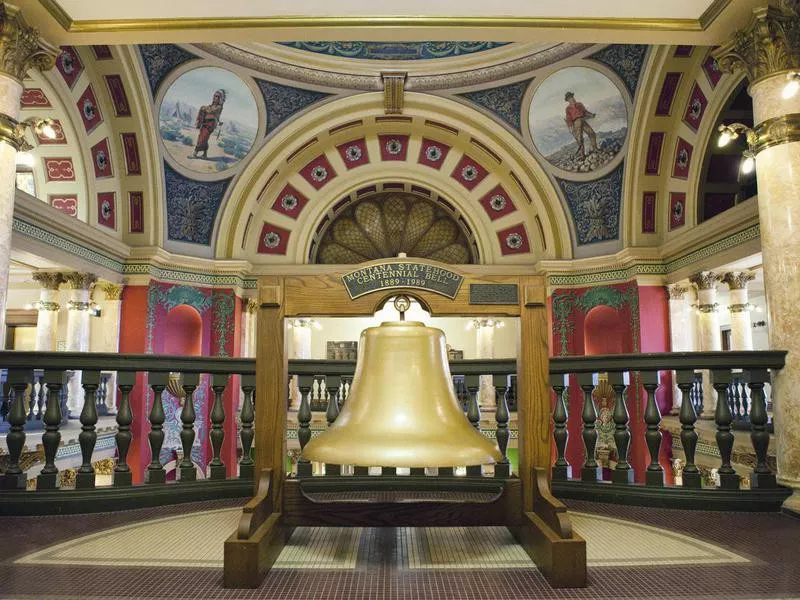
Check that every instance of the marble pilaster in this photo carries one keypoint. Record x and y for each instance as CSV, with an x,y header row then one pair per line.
x,y
301,348
48,307
768,51
739,307
110,313
682,330
709,335
78,306
484,341
20,49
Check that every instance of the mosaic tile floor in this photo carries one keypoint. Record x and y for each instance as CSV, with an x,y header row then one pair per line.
x,y
703,555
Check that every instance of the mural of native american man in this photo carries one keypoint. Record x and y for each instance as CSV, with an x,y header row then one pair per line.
x,y
577,114
208,119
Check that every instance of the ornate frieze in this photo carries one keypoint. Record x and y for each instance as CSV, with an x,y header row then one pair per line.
x,y
769,45
21,48
80,281
49,280
706,280
737,280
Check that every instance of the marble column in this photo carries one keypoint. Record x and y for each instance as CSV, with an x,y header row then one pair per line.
x,y
78,306
682,331
739,307
110,313
484,332
21,49
709,334
768,51
48,307
249,313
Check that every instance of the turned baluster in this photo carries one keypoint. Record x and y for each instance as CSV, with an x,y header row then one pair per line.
x,y
700,394
186,468
14,478
762,476
5,402
332,384
590,471
31,392
688,417
305,383
40,397
652,417
728,478
48,477
216,468
623,473
122,472
87,438
744,381
730,398
247,465
474,415
501,415
155,471
561,469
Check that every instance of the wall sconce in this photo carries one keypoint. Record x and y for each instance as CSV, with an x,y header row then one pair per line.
x,y
728,133
13,132
792,85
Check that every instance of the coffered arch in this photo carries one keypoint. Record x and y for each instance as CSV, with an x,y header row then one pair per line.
x,y
485,172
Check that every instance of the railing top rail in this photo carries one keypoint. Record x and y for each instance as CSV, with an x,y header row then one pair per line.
x,y
663,361
669,361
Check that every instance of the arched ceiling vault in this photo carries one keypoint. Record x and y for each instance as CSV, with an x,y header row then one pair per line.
x,y
320,138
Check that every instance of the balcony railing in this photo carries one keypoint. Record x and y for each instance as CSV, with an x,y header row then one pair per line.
x,y
604,430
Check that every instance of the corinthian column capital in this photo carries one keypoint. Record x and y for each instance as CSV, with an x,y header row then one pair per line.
x,y
80,281
21,47
737,280
113,291
677,291
769,45
49,280
706,280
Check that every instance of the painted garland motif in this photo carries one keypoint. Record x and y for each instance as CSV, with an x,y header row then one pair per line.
x,y
272,240
469,173
433,153
394,146
289,202
514,241
353,153
319,173
497,202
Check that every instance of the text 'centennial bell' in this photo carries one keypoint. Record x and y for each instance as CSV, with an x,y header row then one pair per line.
x,y
401,410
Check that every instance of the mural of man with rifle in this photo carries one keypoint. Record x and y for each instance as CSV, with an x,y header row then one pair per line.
x,y
576,116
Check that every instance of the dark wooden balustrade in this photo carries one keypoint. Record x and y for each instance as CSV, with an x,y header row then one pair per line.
x,y
739,378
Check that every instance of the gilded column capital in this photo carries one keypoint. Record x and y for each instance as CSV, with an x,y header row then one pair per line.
x,y
80,281
769,45
21,47
251,305
49,280
706,280
737,280
677,291
113,291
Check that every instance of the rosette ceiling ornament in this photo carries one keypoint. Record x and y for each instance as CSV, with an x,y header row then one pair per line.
x,y
386,224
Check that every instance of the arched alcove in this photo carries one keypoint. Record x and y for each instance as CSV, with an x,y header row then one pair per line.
x,y
603,331
184,331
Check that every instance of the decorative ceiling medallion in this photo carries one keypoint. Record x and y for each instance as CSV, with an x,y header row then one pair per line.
x,y
497,203
385,224
677,212
208,120
318,172
514,240
354,153
101,159
273,239
69,65
695,108
289,202
468,172
393,147
432,153
105,209
90,112
683,159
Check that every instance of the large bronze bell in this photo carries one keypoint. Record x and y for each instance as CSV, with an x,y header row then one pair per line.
x,y
401,410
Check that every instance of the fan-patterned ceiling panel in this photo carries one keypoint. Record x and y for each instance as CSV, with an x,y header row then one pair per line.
x,y
385,224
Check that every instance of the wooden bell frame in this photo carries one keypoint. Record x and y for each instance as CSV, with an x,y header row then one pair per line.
x,y
525,505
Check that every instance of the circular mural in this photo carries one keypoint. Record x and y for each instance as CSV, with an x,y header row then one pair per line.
x,y
208,120
578,120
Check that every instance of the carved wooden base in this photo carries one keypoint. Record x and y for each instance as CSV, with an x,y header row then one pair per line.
x,y
762,480
47,481
155,476
13,482
692,480
622,477
729,481
247,471
187,473
562,473
654,478
84,480
217,472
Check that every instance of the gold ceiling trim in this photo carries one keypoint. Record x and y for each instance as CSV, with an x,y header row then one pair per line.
x,y
377,22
